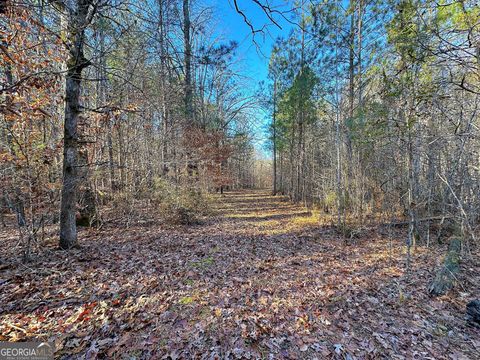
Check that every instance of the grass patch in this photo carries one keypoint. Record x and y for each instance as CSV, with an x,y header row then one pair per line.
x,y
204,263
186,300
311,220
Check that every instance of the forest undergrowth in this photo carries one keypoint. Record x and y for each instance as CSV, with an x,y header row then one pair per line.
x,y
259,279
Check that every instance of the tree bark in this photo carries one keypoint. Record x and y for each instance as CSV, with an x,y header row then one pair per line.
x,y
275,137
188,62
473,313
446,276
163,88
79,19
351,94
359,52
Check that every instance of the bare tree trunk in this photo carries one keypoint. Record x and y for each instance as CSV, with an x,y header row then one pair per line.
x,y
340,206
298,193
339,169
359,52
111,162
282,186
300,154
351,94
79,19
18,205
163,89
411,204
275,137
188,62
291,166
103,102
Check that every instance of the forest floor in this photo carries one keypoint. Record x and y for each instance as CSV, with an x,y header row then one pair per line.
x,y
260,279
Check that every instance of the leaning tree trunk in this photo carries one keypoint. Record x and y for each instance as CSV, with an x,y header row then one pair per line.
x,y
79,19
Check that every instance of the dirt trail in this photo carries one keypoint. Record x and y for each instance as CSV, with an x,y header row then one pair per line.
x,y
261,279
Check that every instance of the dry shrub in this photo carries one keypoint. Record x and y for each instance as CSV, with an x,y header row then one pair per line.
x,y
125,207
179,204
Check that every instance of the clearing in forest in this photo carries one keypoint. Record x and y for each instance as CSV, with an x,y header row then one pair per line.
x,y
261,279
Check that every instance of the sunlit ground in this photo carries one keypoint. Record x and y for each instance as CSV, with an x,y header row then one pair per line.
x,y
264,278
266,214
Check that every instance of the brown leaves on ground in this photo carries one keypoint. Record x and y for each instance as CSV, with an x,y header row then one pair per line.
x,y
261,280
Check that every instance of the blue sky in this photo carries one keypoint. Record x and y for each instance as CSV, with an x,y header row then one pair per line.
x,y
233,26
254,58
